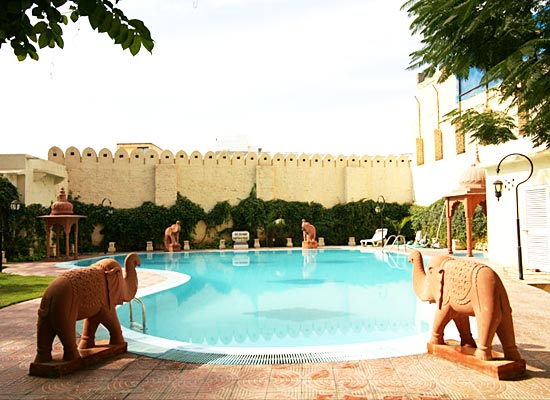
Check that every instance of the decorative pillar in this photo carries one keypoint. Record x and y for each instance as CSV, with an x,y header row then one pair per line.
x,y
471,193
450,213
61,218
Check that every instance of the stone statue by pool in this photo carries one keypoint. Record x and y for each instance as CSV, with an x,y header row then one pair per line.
x,y
309,235
90,293
172,237
461,288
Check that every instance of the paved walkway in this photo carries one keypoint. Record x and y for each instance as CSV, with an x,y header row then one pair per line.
x,y
130,376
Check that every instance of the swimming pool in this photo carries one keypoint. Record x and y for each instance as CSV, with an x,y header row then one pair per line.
x,y
339,303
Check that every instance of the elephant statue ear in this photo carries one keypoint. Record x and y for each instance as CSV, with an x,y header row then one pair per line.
x,y
115,287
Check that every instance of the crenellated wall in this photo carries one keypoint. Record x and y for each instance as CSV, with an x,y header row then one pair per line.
x,y
129,179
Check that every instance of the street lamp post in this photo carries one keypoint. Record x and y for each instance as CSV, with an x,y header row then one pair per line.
x,y
380,203
14,206
498,193
109,210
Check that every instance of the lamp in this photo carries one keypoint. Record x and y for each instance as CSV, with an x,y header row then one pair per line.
x,y
498,193
498,189
15,205
381,202
109,210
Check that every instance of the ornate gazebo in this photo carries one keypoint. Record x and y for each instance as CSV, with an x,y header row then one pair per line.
x,y
62,217
471,193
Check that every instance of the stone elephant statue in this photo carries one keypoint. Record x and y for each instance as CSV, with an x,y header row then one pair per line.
x,y
90,293
462,288
309,231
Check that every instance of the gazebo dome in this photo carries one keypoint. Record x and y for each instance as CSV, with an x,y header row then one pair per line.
x,y
62,206
474,176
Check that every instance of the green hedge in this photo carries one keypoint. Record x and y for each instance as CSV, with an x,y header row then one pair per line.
x,y
272,221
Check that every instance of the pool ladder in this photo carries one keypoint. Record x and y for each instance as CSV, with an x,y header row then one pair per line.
x,y
398,240
136,325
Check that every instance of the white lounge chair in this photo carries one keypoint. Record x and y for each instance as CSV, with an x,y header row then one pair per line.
x,y
378,237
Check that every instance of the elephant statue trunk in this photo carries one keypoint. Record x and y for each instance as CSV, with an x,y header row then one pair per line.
x,y
130,278
420,284
462,288
90,293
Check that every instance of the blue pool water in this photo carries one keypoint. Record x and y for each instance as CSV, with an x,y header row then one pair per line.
x,y
280,298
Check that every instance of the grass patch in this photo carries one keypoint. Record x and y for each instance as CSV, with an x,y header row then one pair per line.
x,y
18,288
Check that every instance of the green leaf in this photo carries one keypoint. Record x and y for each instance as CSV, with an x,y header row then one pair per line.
x,y
114,30
17,48
106,23
140,27
94,22
56,29
74,16
86,7
40,27
59,41
136,45
486,128
148,44
37,12
43,39
97,17
129,40
122,35
136,23
118,12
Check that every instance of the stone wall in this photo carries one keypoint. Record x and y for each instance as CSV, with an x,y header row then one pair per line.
x,y
129,179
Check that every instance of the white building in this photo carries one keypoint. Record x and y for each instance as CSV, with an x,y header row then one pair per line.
x,y
442,155
38,181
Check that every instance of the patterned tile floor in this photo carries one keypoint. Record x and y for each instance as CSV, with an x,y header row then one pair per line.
x,y
130,376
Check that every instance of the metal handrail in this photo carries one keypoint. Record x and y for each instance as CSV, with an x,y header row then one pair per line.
x,y
396,238
142,326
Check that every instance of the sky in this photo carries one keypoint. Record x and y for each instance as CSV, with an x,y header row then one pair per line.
x,y
300,76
